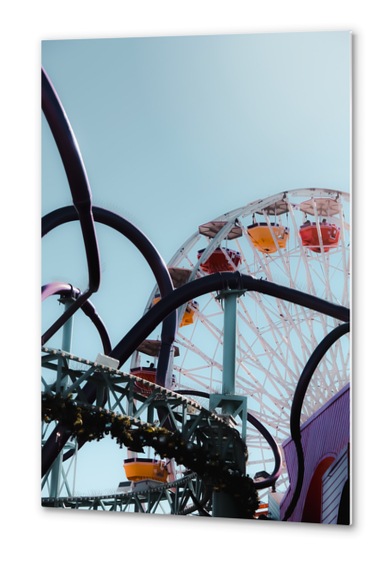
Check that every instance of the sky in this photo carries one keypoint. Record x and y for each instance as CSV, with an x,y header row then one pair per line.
x,y
173,132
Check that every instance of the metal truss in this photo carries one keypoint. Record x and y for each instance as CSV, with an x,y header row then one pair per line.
x,y
117,395
173,498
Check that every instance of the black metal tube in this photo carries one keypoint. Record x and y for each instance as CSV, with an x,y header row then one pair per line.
x,y
67,290
80,190
216,282
155,261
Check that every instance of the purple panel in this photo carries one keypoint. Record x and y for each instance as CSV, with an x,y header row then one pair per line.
x,y
325,434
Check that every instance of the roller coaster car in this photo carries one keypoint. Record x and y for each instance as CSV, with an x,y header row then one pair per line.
x,y
309,234
218,261
147,374
145,469
262,237
189,315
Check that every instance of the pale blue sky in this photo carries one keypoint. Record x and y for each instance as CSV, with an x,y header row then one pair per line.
x,y
175,131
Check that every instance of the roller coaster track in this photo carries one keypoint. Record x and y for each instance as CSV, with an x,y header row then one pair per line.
x,y
200,431
175,497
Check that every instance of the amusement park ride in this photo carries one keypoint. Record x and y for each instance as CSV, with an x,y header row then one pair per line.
x,y
249,312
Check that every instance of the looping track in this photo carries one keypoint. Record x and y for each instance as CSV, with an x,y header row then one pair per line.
x,y
209,436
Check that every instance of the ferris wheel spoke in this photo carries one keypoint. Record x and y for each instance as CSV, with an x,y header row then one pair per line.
x,y
260,389
272,325
189,345
215,331
299,262
243,363
323,325
329,356
266,346
345,269
294,319
243,258
201,381
324,280
336,270
273,418
247,359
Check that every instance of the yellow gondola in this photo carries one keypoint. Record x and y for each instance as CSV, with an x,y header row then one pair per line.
x,y
262,237
189,315
145,469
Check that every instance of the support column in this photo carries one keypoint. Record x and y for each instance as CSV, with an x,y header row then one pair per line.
x,y
229,349
67,333
223,503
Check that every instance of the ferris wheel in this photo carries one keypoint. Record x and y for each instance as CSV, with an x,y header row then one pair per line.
x,y
299,239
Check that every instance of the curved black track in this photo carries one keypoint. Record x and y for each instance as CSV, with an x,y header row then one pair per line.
x,y
212,283
155,261
80,190
65,290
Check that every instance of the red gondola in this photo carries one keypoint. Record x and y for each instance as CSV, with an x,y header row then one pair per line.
x,y
147,374
219,262
310,238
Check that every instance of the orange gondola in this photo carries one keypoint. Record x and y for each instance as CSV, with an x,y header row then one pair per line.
x,y
218,260
145,469
188,316
263,239
330,234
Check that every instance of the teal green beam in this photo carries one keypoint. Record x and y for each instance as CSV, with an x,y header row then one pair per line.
x,y
67,334
223,503
229,351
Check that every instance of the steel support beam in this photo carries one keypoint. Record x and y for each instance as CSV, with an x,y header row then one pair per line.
x,y
223,503
67,332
